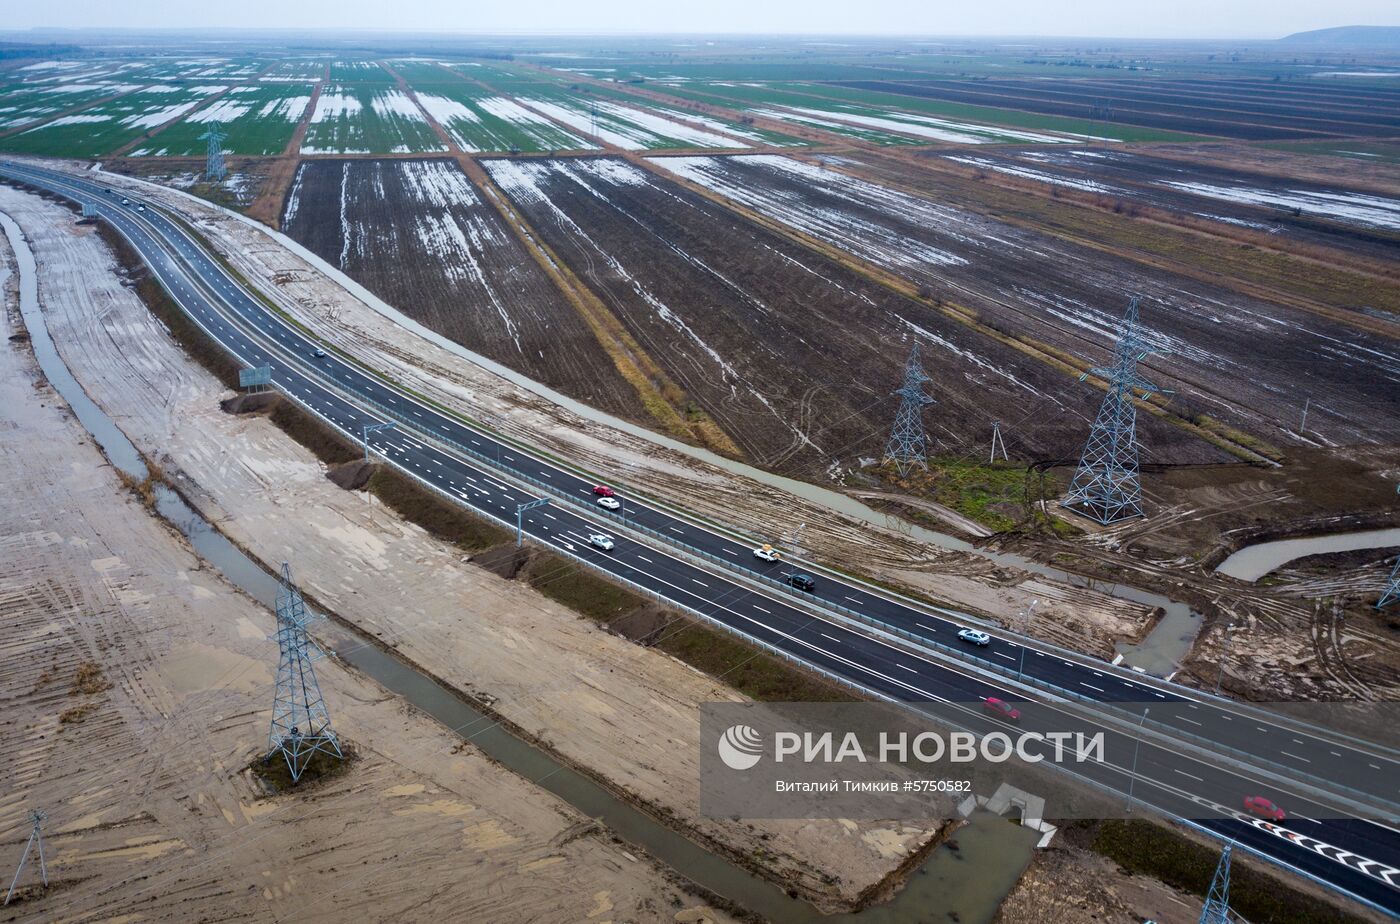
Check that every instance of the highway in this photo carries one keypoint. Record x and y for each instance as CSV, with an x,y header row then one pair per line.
x,y
1359,857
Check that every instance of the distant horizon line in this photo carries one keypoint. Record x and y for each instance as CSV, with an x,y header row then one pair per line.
x,y
914,37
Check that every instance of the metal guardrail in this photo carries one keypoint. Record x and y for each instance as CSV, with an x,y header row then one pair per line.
x,y
917,639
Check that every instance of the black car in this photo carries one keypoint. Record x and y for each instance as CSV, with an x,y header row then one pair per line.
x,y
802,582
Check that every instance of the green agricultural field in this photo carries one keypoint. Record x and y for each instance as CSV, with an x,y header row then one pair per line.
x,y
482,120
361,71
23,104
109,126
368,119
259,120
296,71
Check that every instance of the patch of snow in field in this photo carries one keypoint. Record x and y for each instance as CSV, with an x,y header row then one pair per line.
x,y
449,113
977,360
453,233
926,126
333,104
783,115
524,181
532,123
52,65
225,110
881,244
289,109
1353,208
158,117
294,197
630,129
391,104
162,88
1031,173
71,120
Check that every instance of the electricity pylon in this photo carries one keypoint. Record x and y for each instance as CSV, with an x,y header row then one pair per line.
x,y
214,169
1217,907
301,725
36,836
1106,484
1392,587
997,443
908,445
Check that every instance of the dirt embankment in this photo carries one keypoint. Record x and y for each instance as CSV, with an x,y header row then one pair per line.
x,y
601,702
138,687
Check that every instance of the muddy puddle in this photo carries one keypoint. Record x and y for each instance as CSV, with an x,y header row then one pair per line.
x,y
1254,561
964,880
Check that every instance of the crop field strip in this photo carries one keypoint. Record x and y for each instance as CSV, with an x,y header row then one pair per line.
x,y
1171,110
418,234
1357,222
370,116
822,105
481,120
787,350
108,126
1069,297
259,120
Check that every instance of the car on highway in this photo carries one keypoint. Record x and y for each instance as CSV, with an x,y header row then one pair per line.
x,y
802,581
603,490
318,353
975,637
767,553
1001,709
140,208
1260,807
601,541
126,202
609,503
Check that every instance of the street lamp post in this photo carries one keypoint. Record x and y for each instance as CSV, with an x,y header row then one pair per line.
x,y
1025,633
520,518
1137,743
367,429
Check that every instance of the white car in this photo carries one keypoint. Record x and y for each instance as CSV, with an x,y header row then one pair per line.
x,y
601,541
767,553
974,637
609,503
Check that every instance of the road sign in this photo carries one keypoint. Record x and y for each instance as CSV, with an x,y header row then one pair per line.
x,y
255,377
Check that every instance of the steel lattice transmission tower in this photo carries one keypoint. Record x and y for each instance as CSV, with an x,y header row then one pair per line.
x,y
1106,485
214,169
301,726
1392,587
908,445
1217,907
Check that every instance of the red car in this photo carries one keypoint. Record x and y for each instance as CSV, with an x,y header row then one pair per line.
x,y
1263,808
1001,709
603,490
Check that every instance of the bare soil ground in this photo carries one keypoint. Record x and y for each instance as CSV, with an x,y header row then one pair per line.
x,y
792,353
627,714
1245,109
1230,356
418,234
138,688
1144,179
374,334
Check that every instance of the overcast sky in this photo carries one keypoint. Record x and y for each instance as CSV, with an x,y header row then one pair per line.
x,y
1118,18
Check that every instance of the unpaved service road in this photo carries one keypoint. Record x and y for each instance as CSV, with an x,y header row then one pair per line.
x,y
628,714
139,763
